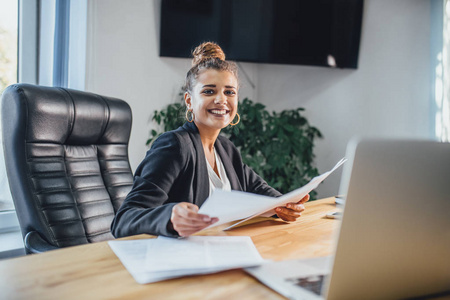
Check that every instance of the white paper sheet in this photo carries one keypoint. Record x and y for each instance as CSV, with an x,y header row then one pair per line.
x,y
235,205
163,258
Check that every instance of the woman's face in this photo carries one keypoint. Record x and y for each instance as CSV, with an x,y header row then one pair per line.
x,y
214,99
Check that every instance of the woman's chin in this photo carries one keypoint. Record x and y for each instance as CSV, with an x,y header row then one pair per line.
x,y
213,124
220,122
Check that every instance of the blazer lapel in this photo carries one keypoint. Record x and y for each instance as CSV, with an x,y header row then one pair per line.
x,y
201,181
228,165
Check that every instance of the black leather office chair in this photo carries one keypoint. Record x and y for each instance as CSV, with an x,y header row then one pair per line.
x,y
66,155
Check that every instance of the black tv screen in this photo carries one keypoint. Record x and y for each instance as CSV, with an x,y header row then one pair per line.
x,y
303,32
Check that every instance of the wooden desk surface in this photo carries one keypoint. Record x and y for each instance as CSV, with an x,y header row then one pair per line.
x,y
94,272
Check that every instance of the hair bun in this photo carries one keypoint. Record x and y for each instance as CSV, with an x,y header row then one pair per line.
x,y
206,51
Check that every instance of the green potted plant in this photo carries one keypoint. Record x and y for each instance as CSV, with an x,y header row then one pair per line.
x,y
276,145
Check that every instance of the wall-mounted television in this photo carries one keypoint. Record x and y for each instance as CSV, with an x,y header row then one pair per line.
x,y
302,32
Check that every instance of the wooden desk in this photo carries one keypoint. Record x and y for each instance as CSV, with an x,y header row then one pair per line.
x,y
94,272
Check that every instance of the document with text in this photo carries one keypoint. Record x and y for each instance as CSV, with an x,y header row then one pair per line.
x,y
152,260
230,206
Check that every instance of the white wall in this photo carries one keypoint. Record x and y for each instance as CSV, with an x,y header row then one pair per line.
x,y
123,62
388,95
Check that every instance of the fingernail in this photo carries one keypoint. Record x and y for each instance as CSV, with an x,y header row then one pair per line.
x,y
206,219
277,209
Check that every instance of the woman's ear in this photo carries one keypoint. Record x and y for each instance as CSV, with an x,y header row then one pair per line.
x,y
187,100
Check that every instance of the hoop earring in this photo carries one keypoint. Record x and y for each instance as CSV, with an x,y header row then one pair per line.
x,y
192,116
237,122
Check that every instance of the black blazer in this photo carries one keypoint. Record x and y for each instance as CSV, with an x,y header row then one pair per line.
x,y
174,170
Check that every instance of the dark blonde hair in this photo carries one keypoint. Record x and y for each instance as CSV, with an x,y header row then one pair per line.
x,y
206,56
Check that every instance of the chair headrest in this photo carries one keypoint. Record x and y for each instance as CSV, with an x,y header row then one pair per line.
x,y
65,116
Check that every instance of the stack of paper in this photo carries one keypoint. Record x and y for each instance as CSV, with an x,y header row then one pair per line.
x,y
163,258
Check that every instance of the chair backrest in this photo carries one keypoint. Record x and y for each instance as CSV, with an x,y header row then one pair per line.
x,y
66,155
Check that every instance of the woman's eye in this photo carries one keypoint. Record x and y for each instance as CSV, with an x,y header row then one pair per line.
x,y
230,93
208,92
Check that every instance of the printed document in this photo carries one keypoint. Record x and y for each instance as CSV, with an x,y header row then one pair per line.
x,y
152,260
230,206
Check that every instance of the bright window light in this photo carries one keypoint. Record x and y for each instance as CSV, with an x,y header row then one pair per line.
x,y
8,42
8,76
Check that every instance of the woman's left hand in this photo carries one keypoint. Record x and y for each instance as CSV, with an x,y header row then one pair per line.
x,y
292,211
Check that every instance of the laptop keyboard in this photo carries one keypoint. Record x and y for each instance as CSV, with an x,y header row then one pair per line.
x,y
311,283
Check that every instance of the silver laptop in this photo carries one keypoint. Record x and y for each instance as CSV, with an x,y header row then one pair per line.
x,y
394,239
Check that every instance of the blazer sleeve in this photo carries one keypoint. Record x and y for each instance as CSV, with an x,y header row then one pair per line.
x,y
148,207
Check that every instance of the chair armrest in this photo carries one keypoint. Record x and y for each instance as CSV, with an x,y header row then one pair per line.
x,y
34,243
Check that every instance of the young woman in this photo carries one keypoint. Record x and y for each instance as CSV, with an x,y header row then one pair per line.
x,y
184,166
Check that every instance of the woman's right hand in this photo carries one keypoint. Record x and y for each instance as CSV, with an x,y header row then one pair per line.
x,y
186,220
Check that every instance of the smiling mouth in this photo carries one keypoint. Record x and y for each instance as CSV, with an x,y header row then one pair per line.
x,y
219,111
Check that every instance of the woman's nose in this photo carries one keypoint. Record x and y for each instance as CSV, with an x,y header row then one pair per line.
x,y
220,99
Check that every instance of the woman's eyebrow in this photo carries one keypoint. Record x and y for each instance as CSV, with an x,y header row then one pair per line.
x,y
213,85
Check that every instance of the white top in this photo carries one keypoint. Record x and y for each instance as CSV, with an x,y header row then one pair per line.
x,y
216,182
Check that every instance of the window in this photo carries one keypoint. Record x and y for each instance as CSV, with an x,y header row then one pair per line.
x,y
8,42
8,76
440,50
28,32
